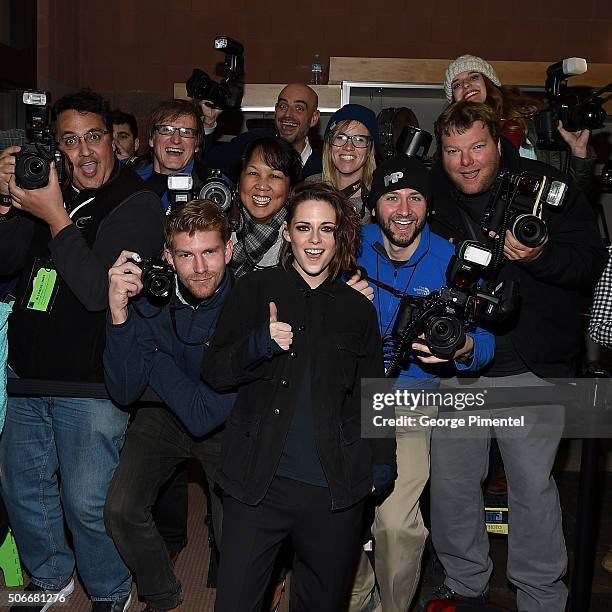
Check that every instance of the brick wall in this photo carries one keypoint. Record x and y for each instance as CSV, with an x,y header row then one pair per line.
x,y
134,51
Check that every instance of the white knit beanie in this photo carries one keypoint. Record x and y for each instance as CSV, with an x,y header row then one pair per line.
x,y
467,63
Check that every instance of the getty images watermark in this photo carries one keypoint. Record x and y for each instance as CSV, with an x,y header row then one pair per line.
x,y
579,408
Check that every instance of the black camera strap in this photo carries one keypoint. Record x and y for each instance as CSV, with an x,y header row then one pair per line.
x,y
200,342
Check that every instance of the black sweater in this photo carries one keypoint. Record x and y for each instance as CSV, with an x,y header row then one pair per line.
x,y
67,343
342,330
546,331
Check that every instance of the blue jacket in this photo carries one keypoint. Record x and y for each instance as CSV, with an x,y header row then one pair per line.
x,y
423,273
145,350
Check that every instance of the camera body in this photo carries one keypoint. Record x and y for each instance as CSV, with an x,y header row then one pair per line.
x,y
216,187
226,94
443,316
33,162
157,278
576,114
517,202
438,317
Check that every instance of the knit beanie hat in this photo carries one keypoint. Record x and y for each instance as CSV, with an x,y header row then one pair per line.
x,y
400,172
355,112
468,63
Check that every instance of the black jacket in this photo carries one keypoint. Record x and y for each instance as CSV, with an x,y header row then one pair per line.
x,y
546,332
341,327
67,343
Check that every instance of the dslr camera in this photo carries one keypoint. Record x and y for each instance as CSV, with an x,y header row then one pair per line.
x,y
576,114
227,94
517,202
217,187
443,316
33,162
157,278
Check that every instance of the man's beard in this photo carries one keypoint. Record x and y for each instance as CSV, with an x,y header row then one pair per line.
x,y
202,291
402,241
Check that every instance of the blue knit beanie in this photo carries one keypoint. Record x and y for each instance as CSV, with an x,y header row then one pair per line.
x,y
355,112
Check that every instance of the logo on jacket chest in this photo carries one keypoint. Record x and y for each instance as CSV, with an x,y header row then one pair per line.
x,y
422,291
82,222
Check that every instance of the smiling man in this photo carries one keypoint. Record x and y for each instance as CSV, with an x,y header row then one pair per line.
x,y
400,251
543,339
175,136
63,243
163,346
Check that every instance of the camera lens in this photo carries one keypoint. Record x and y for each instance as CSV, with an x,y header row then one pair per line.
x,y
219,193
31,171
444,335
159,285
35,168
592,116
529,230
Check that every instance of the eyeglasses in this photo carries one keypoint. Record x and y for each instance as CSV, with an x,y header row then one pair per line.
x,y
168,130
359,140
93,137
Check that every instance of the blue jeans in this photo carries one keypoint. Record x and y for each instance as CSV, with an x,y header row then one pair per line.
x,y
58,456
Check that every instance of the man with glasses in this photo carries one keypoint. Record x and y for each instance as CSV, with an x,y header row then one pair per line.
x,y
60,448
175,136
295,113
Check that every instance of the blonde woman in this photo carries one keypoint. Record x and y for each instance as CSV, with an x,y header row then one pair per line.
x,y
352,141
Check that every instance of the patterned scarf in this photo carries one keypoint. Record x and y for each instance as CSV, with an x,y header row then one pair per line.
x,y
254,241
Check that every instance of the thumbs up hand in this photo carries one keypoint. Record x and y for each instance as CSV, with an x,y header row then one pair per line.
x,y
279,332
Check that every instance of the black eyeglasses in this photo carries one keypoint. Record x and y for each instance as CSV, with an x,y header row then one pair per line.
x,y
168,130
359,140
93,137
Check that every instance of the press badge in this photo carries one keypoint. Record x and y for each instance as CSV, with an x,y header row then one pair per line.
x,y
42,287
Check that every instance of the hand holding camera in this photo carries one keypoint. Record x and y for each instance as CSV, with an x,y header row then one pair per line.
x,y
7,168
577,141
424,354
124,282
46,203
517,251
210,114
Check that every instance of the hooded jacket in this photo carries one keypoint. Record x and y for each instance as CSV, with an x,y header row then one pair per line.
x,y
422,274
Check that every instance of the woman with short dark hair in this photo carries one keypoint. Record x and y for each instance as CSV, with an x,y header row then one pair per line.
x,y
271,168
295,340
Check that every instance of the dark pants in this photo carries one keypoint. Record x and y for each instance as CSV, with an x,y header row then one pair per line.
x,y
170,510
326,546
155,444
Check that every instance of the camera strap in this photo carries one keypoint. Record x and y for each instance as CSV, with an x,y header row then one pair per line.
x,y
352,189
